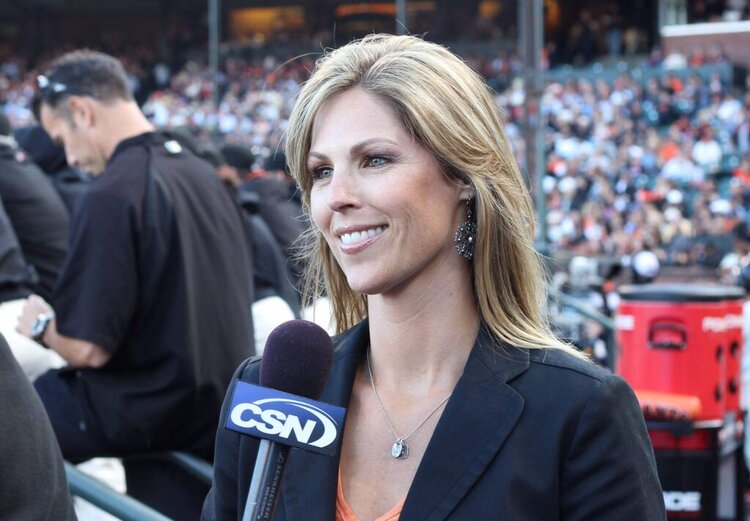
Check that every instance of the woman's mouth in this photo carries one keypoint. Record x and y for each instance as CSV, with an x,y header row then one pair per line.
x,y
356,241
352,238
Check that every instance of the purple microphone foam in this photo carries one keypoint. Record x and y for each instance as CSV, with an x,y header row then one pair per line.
x,y
297,359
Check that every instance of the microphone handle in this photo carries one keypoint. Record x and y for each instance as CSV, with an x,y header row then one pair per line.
x,y
264,487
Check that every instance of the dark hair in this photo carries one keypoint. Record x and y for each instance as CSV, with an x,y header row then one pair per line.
x,y
276,161
82,73
238,156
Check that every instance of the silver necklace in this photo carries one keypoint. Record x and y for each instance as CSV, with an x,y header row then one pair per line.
x,y
399,450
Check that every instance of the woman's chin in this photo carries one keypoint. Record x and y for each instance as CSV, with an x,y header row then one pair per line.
x,y
366,285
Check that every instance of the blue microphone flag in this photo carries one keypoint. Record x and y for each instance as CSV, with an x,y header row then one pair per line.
x,y
285,418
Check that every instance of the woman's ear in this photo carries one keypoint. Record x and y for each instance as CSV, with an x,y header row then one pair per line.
x,y
467,193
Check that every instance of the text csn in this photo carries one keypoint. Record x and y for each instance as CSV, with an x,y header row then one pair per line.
x,y
284,425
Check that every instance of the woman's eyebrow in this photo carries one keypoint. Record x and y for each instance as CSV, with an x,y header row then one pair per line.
x,y
317,155
356,149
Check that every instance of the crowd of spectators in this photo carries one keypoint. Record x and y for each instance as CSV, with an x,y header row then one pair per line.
x,y
661,164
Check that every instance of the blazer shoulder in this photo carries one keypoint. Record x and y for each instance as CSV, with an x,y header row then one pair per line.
x,y
340,339
559,359
356,329
352,341
249,370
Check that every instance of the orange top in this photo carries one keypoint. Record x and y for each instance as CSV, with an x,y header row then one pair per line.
x,y
344,513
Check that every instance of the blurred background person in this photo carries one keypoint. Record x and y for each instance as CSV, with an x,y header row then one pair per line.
x,y
34,484
275,204
17,280
36,211
69,181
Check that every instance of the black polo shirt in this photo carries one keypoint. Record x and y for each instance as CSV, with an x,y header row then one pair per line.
x,y
158,274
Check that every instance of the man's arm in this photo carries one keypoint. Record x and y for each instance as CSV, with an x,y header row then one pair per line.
x,y
77,352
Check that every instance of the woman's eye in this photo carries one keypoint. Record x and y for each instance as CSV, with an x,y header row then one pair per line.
x,y
321,172
376,161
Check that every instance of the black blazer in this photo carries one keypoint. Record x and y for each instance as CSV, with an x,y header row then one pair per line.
x,y
531,435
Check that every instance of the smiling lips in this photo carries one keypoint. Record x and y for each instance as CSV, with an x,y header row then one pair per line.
x,y
357,240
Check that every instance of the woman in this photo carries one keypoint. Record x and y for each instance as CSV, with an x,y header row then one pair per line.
x,y
461,404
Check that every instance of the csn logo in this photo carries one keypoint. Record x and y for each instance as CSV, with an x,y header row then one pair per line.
x,y
298,423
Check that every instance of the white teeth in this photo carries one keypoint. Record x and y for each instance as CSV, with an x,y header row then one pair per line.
x,y
355,237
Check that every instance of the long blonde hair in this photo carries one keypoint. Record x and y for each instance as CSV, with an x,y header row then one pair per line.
x,y
450,110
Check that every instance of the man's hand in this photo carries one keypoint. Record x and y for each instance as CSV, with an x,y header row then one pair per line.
x,y
34,306
77,352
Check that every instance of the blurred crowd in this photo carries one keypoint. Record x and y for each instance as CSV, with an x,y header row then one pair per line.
x,y
660,167
661,164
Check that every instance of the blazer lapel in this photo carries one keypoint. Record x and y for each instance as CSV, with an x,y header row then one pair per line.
x,y
477,419
311,495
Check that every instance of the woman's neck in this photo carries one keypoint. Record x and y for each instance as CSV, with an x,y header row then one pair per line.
x,y
422,337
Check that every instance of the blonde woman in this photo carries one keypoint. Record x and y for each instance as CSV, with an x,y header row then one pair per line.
x,y
461,403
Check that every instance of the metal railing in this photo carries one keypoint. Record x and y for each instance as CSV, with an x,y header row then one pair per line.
x,y
196,467
123,506
109,500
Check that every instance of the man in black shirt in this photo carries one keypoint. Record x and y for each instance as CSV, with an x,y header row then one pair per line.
x,y
152,309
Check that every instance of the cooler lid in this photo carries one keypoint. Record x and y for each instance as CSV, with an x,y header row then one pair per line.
x,y
663,292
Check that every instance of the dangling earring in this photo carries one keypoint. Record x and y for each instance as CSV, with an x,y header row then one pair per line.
x,y
466,233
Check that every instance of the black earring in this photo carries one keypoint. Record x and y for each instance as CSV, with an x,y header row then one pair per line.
x,y
466,233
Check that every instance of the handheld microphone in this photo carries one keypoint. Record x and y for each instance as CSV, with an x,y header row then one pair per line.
x,y
282,411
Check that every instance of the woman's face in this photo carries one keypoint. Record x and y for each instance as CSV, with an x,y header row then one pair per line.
x,y
379,198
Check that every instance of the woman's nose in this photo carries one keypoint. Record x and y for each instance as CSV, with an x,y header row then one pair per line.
x,y
342,191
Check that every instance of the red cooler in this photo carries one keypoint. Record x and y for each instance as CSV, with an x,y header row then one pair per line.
x,y
683,339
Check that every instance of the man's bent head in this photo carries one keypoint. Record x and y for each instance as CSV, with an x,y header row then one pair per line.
x,y
69,103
